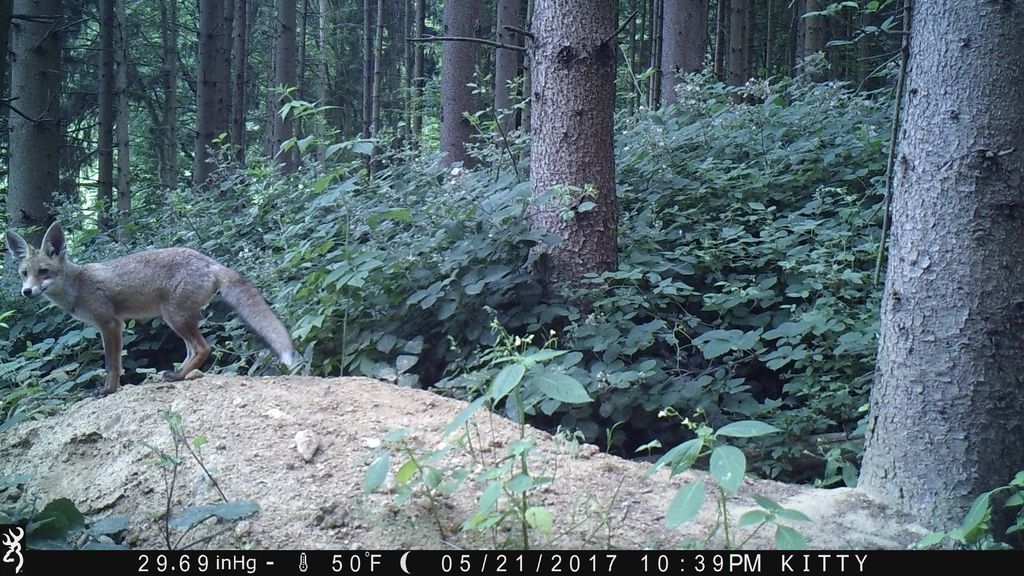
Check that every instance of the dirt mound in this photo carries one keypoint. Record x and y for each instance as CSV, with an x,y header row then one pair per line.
x,y
95,454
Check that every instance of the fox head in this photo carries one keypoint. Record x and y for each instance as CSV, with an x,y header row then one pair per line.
x,y
38,268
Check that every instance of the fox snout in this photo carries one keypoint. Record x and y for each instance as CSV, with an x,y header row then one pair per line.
x,y
31,291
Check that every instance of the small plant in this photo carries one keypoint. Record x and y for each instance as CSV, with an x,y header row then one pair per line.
x,y
975,532
59,524
727,466
191,516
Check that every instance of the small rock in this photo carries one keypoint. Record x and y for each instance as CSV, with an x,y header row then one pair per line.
x,y
372,443
306,443
587,451
239,402
276,414
243,528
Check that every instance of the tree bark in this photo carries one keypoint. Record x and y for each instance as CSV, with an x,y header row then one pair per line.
x,y
654,85
458,66
34,142
573,166
738,48
815,32
369,9
284,77
684,42
417,72
168,166
239,103
322,83
105,105
528,76
378,71
124,193
506,63
211,17
946,408
721,16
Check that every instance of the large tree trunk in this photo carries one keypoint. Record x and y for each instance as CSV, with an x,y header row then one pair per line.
x,y
6,9
458,65
506,63
168,166
211,17
721,21
284,76
684,42
105,105
738,47
947,407
573,55
124,193
815,32
34,144
240,55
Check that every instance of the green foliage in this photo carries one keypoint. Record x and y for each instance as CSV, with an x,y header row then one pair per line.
x,y
727,466
59,524
976,532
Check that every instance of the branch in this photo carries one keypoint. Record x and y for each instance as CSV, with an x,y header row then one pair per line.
x,y
7,102
621,28
520,31
466,39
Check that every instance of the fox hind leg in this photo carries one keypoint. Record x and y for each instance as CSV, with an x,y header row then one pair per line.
x,y
196,347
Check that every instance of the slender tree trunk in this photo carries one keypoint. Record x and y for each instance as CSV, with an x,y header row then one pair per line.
x,y
815,32
458,66
721,15
946,408
378,70
6,9
738,42
284,68
573,164
34,142
239,102
528,76
684,42
300,76
169,79
417,72
748,40
322,83
769,34
124,193
105,104
506,63
654,86
369,9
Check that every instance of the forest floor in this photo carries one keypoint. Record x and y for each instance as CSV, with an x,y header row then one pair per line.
x,y
95,453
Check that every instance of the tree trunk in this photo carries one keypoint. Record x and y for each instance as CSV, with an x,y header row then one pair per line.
x,y
721,15
815,32
211,16
239,102
300,75
322,83
169,144
6,9
654,85
684,42
417,72
458,66
506,63
946,408
738,49
528,76
105,105
284,71
573,165
369,9
124,194
34,142
378,70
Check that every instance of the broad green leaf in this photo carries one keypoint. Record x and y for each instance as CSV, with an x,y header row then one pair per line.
x,y
752,518
686,504
231,511
787,538
542,356
746,429
489,497
540,519
791,514
406,472
728,465
766,503
680,458
506,380
56,520
561,387
930,540
376,473
519,483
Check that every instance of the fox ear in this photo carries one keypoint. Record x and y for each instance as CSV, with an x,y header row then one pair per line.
x,y
53,241
17,245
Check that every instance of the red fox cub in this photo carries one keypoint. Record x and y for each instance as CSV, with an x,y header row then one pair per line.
x,y
171,282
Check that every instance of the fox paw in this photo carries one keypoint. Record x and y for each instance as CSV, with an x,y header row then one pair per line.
x,y
102,392
169,376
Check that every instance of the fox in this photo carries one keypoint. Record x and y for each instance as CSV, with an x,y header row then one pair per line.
x,y
175,283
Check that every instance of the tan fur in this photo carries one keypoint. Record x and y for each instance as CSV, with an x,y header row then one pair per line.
x,y
174,283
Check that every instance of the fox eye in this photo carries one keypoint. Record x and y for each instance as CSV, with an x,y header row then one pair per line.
x,y
44,271
24,274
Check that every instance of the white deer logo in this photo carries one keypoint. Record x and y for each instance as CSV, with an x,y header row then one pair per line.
x,y
13,542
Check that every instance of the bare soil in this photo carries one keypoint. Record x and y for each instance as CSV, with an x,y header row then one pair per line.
x,y
94,454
